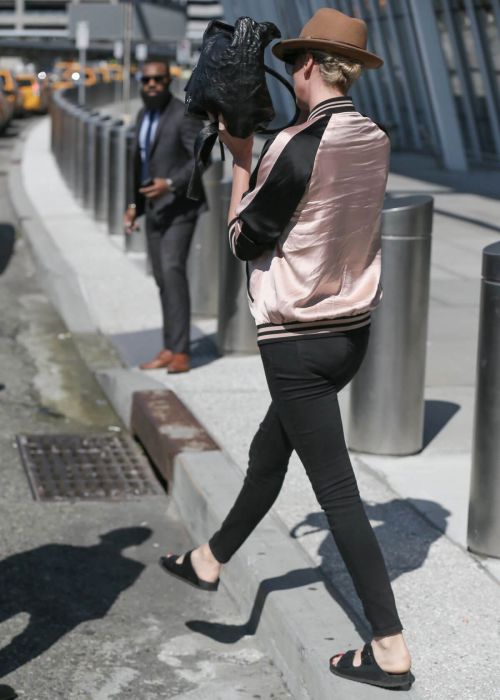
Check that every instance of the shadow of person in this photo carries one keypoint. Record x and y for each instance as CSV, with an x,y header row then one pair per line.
x,y
405,541
60,586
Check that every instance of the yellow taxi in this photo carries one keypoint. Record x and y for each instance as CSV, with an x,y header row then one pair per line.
x,y
115,71
34,93
72,74
11,90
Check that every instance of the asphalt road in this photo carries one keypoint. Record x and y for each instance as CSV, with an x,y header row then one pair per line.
x,y
85,611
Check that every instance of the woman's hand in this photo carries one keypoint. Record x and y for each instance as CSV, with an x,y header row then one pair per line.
x,y
241,149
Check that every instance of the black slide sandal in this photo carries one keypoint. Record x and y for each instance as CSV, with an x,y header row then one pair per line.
x,y
7,693
369,671
185,571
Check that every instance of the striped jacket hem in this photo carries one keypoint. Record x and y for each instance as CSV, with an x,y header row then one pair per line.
x,y
270,332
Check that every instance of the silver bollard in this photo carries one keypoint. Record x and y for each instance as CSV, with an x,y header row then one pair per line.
x,y
203,261
135,242
90,160
100,201
387,394
236,330
71,159
68,143
80,153
117,178
102,176
483,534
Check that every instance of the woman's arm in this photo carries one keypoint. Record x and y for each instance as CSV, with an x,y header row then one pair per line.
x,y
241,150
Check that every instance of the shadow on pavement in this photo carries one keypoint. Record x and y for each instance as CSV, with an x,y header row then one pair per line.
x,y
436,415
141,346
60,586
405,542
7,240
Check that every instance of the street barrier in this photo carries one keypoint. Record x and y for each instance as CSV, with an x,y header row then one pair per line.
x,y
135,242
236,328
483,534
387,394
116,179
100,203
81,152
90,160
203,261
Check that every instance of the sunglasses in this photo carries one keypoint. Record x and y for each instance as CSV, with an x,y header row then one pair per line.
x,y
290,62
291,59
156,78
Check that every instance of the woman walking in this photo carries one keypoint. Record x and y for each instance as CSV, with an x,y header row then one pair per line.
x,y
307,221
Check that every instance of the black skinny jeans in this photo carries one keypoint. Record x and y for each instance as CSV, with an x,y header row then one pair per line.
x,y
304,377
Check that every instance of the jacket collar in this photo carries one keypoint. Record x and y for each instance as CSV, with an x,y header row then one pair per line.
x,y
332,106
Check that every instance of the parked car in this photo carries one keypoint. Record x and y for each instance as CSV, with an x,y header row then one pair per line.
x,y
72,73
34,92
5,110
11,90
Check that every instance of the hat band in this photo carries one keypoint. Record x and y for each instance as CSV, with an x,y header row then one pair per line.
x,y
334,41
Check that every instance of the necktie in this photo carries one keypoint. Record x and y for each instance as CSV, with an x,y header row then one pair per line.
x,y
146,175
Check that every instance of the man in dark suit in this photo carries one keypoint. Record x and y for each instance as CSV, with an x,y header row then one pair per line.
x,y
163,165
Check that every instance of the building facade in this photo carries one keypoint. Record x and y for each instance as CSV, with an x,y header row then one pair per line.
x,y
439,89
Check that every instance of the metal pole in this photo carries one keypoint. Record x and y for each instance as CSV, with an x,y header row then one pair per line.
x,y
236,328
203,262
127,54
82,59
484,505
82,44
387,394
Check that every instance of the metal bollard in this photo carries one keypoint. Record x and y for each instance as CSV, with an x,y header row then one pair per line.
x,y
55,130
387,394
203,262
80,152
100,203
90,160
67,142
135,242
483,534
117,178
236,328
72,136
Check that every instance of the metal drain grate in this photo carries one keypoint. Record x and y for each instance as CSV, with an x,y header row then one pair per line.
x,y
85,467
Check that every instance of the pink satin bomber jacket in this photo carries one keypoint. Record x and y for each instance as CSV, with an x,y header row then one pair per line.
x,y
309,226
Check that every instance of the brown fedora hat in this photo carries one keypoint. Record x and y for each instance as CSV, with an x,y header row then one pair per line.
x,y
333,32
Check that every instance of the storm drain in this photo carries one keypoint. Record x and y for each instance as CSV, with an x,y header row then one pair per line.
x,y
86,467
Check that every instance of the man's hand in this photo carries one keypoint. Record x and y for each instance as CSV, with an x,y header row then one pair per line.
x,y
129,222
160,186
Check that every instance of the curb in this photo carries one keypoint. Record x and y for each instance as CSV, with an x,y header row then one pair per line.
x,y
296,616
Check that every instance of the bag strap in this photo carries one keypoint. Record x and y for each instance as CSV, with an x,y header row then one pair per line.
x,y
290,89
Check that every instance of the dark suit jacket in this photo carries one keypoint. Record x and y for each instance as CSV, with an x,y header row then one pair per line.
x,y
171,156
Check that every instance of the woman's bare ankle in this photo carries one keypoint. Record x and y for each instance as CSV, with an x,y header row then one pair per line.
x,y
205,564
207,555
391,652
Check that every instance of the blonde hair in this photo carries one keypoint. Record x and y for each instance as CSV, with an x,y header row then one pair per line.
x,y
337,71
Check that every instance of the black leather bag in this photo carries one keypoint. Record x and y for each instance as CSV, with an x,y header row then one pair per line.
x,y
229,79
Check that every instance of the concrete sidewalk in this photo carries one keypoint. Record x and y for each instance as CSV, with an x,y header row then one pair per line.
x,y
448,599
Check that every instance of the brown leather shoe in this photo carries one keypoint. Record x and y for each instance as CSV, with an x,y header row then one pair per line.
x,y
179,363
161,360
